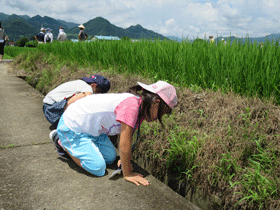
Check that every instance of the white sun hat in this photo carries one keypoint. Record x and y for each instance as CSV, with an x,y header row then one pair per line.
x,y
165,91
81,26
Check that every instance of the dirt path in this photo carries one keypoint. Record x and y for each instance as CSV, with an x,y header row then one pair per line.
x,y
33,176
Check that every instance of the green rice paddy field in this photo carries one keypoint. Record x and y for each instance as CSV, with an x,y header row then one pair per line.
x,y
244,164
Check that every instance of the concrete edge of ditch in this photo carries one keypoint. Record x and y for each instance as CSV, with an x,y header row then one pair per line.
x,y
195,196
7,60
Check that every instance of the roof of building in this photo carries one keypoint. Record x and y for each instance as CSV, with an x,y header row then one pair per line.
x,y
107,37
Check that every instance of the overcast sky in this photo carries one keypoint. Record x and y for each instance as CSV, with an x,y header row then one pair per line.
x,y
187,18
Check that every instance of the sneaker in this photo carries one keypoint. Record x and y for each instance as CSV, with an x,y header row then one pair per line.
x,y
54,137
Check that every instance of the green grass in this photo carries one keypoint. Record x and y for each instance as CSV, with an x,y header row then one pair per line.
x,y
244,68
7,57
12,52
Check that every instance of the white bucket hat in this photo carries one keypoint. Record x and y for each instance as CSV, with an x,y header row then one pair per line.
x,y
165,91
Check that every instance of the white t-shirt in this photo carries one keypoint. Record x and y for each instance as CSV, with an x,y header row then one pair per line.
x,y
62,35
48,34
67,90
102,113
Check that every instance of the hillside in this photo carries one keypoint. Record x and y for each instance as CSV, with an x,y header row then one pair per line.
x,y
270,38
46,22
68,24
18,26
101,26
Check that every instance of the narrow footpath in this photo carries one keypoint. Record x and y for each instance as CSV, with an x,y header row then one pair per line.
x,y
33,176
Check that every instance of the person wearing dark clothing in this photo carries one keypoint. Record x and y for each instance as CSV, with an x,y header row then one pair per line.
x,y
82,35
41,36
2,42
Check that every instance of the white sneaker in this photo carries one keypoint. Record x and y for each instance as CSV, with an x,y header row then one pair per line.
x,y
52,134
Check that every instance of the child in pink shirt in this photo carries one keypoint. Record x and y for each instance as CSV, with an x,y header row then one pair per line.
x,y
84,127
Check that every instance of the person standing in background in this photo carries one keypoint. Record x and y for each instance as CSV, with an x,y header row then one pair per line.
x,y
211,39
49,36
62,36
2,42
40,36
82,35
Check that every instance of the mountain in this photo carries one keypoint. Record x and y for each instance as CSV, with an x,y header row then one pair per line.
x,y
26,17
46,22
3,16
174,38
270,38
138,32
101,26
68,24
17,27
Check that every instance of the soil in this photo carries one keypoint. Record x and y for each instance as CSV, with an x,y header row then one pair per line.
x,y
223,123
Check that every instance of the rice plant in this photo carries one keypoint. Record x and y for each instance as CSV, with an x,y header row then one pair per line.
x,y
244,68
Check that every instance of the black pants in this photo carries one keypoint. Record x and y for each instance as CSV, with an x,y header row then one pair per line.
x,y
2,48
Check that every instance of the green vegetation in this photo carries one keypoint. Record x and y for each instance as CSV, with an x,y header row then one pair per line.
x,y
12,52
31,44
21,42
219,142
246,69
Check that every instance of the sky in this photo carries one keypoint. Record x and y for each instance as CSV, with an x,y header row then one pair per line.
x,y
180,18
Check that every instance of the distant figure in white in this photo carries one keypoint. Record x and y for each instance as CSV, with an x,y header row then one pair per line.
x,y
62,36
224,41
48,36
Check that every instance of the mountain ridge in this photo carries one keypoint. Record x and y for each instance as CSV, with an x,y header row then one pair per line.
x,y
95,26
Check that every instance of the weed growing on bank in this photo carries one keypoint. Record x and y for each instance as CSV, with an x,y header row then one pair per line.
x,y
219,143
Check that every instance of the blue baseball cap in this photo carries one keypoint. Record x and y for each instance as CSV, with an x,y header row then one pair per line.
x,y
103,82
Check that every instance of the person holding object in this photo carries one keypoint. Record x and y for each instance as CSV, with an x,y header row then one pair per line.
x,y
57,100
84,128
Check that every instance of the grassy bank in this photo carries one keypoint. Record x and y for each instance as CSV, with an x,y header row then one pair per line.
x,y
220,142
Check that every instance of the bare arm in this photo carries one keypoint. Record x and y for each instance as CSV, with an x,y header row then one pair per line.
x,y
125,155
75,98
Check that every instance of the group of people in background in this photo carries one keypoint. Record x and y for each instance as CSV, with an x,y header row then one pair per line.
x,y
46,36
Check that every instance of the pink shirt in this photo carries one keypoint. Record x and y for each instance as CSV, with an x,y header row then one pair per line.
x,y
127,111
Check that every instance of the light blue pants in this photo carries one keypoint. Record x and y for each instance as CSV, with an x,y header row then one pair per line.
x,y
92,151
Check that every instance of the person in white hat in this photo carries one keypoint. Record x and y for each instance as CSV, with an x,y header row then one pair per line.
x,y
82,34
48,36
84,128
40,36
